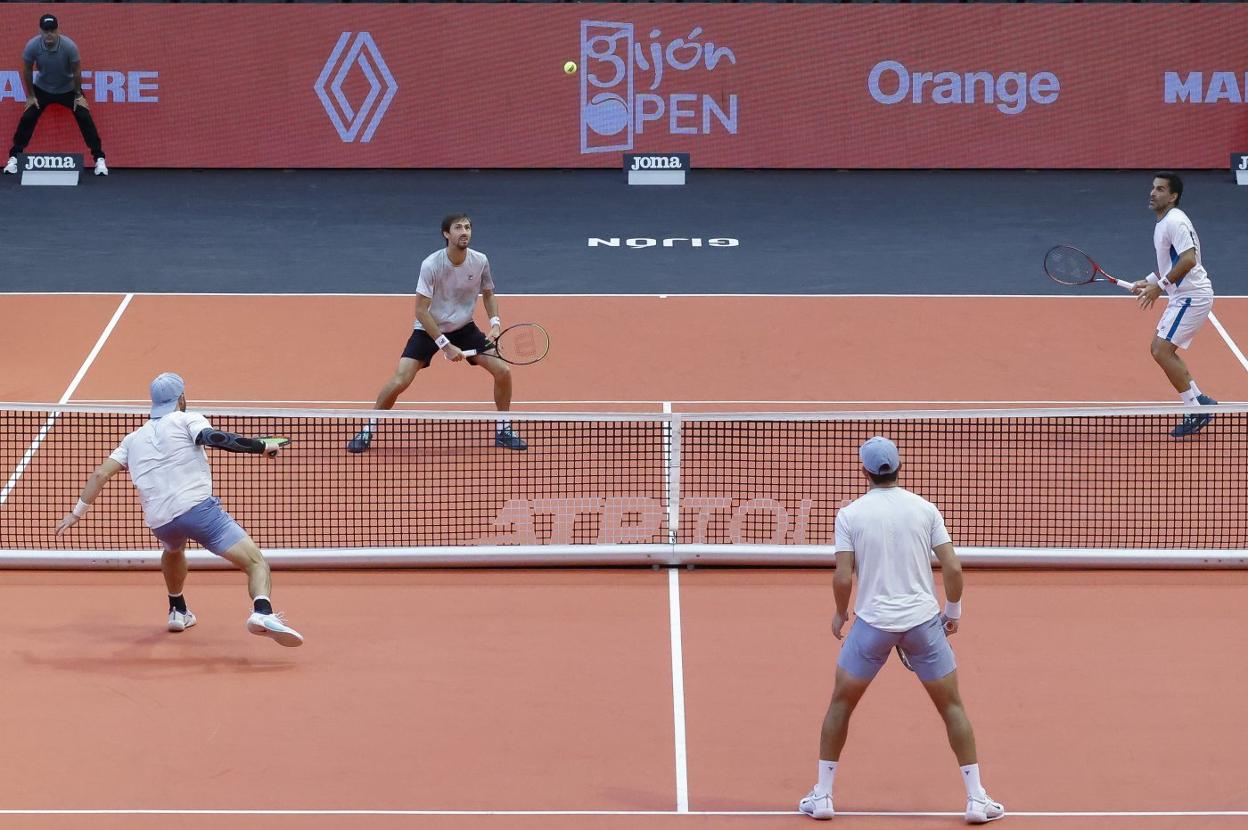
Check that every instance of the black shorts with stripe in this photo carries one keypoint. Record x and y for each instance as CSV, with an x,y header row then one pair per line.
x,y
420,345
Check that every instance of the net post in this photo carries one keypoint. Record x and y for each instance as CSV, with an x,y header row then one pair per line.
x,y
672,474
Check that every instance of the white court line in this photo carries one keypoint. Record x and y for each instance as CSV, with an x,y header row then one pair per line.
x,y
1077,297
421,405
678,692
1217,324
663,813
69,391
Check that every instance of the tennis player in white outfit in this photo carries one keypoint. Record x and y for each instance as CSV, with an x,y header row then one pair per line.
x,y
169,468
1189,295
887,536
446,296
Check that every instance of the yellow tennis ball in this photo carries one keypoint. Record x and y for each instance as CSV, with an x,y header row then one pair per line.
x,y
570,67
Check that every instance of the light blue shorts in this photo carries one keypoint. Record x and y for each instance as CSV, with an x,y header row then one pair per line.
x,y
206,523
867,647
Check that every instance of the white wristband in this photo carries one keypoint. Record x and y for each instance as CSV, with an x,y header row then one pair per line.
x,y
1165,284
494,321
1152,278
443,341
953,610
80,509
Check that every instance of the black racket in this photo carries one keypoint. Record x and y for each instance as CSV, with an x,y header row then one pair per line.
x,y
519,345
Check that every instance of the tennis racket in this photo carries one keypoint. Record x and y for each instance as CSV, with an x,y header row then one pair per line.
x,y
519,345
904,658
1071,266
273,445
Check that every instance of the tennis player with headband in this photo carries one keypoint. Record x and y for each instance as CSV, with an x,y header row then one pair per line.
x,y
169,468
1188,288
888,535
446,295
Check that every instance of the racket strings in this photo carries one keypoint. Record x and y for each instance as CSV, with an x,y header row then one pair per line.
x,y
1069,265
523,343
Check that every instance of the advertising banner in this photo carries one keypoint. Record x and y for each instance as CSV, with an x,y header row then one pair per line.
x,y
554,85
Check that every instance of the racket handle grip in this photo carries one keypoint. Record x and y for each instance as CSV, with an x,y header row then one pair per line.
x,y
1125,284
469,352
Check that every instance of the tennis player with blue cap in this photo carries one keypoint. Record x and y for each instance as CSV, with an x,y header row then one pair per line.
x,y
888,536
169,467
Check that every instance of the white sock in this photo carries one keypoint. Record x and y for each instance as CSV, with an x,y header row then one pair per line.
x,y
970,777
504,425
372,425
1195,389
827,769
1189,397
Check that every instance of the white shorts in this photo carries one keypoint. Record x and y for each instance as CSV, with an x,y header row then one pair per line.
x,y
1182,318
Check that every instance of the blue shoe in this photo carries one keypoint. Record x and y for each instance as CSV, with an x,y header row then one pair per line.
x,y
1192,424
360,442
508,440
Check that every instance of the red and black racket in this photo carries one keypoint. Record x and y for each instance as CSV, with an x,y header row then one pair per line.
x,y
1071,266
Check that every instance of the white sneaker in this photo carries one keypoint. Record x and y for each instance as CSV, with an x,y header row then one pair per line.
x,y
274,626
10,167
101,169
179,621
817,806
983,810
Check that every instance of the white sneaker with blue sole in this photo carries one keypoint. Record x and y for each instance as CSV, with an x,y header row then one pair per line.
x,y
275,628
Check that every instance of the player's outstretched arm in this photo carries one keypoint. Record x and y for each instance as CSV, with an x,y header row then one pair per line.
x,y
95,483
232,442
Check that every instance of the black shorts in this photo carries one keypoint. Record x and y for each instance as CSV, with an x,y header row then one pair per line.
x,y
420,345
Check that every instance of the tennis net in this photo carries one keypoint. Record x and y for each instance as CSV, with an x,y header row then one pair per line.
x,y
433,488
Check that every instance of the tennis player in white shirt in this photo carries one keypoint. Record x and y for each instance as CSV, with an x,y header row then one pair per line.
x,y
887,536
1189,292
169,468
451,278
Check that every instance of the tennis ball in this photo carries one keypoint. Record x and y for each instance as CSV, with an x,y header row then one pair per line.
x,y
570,67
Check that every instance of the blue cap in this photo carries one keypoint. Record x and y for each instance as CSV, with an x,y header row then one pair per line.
x,y
879,455
166,389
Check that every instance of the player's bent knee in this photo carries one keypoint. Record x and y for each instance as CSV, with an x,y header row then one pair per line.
x,y
245,554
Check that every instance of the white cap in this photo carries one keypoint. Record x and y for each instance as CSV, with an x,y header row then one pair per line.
x,y
879,455
166,388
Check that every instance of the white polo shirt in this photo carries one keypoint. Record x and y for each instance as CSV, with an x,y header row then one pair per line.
x,y
167,467
892,532
1172,237
453,289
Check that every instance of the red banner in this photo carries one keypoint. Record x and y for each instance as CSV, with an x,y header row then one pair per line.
x,y
752,85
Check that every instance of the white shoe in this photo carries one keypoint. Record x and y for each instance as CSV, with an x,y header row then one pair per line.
x,y
275,627
101,169
179,621
10,167
983,810
817,806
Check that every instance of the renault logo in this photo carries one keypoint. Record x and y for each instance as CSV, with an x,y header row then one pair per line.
x,y
349,120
